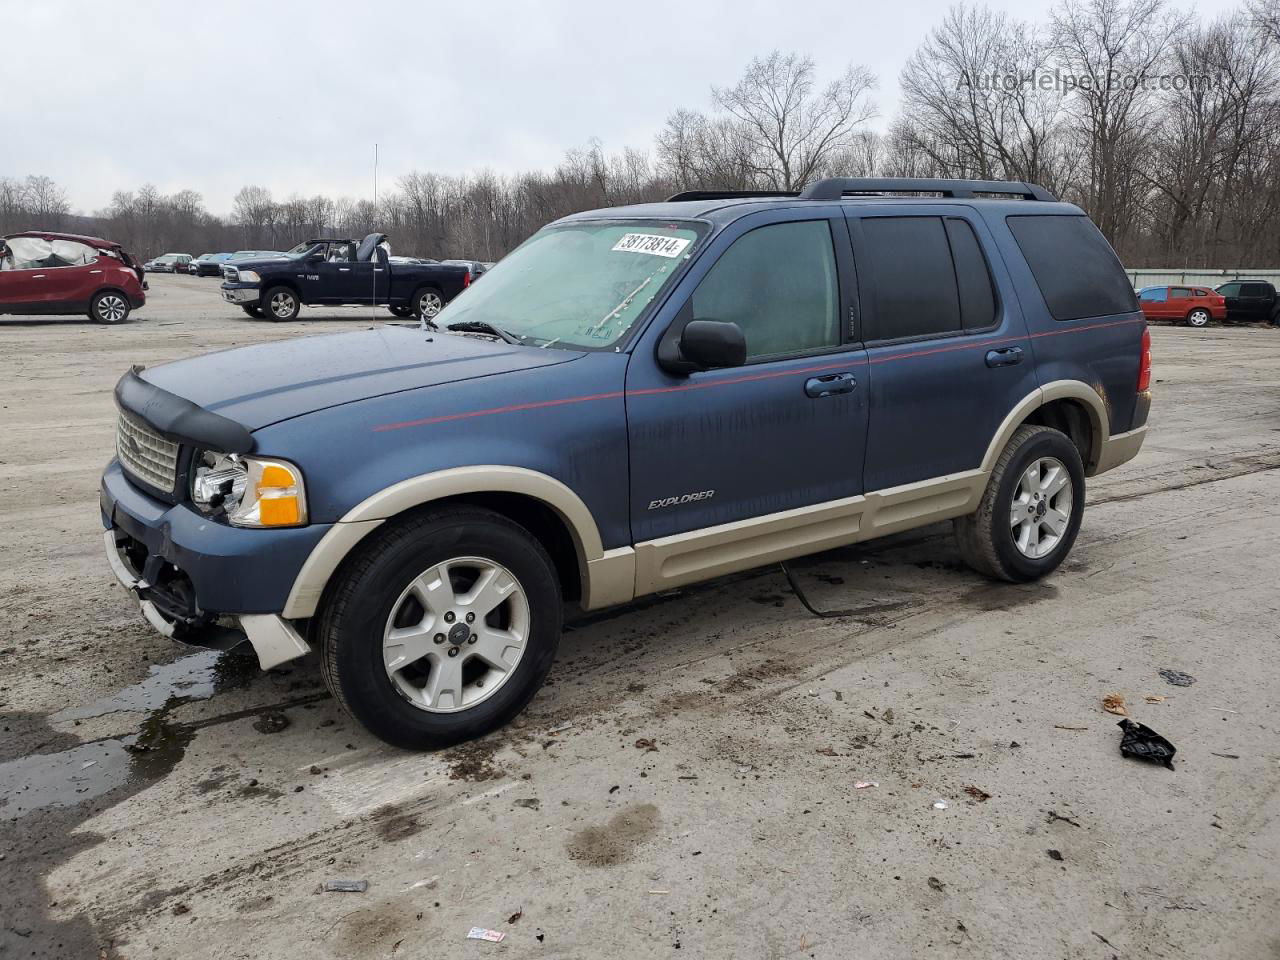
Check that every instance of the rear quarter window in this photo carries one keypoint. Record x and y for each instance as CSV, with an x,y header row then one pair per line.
x,y
1074,266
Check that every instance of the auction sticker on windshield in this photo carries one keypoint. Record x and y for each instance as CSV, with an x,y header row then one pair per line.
x,y
651,243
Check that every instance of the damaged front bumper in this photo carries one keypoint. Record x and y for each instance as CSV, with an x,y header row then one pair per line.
x,y
202,582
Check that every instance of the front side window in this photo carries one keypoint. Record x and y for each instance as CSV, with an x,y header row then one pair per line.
x,y
1230,289
37,253
1154,295
778,284
578,285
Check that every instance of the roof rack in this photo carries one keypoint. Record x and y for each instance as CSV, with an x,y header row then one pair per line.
x,y
729,194
834,188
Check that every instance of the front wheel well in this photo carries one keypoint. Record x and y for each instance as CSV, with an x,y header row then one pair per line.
x,y
1074,419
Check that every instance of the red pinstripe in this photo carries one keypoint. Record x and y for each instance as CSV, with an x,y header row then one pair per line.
x,y
749,378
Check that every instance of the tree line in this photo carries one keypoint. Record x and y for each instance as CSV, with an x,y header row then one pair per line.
x,y
1165,128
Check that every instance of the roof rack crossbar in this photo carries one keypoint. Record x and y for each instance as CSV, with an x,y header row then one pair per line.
x,y
729,194
834,188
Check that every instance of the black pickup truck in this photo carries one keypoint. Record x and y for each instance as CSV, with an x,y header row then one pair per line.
x,y
341,271
1250,301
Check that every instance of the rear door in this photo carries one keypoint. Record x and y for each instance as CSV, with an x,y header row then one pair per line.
x,y
1255,301
787,429
1179,303
947,348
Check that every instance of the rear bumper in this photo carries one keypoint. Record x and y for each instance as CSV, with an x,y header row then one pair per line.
x,y
200,581
1120,448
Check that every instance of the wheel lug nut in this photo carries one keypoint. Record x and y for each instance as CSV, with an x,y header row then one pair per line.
x,y
449,617
471,618
453,651
472,639
439,638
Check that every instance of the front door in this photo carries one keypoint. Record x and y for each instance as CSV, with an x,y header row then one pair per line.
x,y
784,431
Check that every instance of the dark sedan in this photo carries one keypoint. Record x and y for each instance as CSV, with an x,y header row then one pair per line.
x,y
208,264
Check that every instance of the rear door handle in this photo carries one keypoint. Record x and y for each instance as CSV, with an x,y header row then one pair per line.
x,y
830,385
1005,357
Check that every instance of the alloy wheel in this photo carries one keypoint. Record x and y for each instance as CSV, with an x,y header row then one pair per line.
x,y
456,634
1041,510
282,305
112,308
430,304
1198,318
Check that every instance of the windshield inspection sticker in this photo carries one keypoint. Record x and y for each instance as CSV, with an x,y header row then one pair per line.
x,y
652,243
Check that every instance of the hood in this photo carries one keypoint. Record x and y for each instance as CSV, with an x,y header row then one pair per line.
x,y
264,384
253,263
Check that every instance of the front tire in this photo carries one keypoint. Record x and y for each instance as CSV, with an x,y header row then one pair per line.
x,y
401,311
280,303
1030,512
1198,317
252,310
396,632
109,307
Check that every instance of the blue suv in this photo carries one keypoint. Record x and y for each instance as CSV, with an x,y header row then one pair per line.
x,y
635,399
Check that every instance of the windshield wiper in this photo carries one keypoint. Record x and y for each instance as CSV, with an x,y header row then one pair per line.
x,y
482,326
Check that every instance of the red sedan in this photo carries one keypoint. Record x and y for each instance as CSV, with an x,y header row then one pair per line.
x,y
62,273
1196,305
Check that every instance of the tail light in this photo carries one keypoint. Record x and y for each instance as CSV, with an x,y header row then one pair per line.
x,y
466,280
1144,370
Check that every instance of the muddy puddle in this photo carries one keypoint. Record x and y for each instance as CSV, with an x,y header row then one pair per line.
x,y
89,770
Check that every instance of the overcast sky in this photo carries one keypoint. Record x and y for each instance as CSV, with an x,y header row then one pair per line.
x,y
293,95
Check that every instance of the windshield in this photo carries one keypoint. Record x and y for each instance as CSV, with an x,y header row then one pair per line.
x,y
303,249
578,285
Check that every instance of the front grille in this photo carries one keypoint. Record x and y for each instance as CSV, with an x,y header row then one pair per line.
x,y
145,454
231,274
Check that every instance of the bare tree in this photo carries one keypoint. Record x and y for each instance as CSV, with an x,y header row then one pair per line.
x,y
254,210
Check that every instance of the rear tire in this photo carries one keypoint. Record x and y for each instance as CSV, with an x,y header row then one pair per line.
x,y
280,303
1027,520
427,303
1199,317
408,586
110,307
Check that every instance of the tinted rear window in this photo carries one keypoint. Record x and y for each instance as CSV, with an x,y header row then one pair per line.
x,y
915,282
1074,266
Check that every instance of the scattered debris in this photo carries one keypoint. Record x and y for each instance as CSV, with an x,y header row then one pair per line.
x,y
827,751
866,784
615,788
940,804
272,721
937,884
1014,745
1224,710
1102,938
979,795
1156,698
1054,854
1054,815
1177,677
315,771
1143,743
656,891
529,803
480,933
179,909
1228,756
1114,703
1058,726
887,716
345,886
516,916
647,745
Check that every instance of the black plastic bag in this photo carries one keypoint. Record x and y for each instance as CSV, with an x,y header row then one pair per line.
x,y
1143,743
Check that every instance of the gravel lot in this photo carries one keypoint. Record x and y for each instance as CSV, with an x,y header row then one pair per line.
x,y
686,781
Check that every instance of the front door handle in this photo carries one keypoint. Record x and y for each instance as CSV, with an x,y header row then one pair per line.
x,y
830,385
344,269
1005,357
38,276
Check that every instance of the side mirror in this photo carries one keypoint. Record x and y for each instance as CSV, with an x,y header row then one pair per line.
x,y
315,258
707,344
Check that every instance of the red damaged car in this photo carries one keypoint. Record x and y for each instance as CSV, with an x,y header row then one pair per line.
x,y
64,273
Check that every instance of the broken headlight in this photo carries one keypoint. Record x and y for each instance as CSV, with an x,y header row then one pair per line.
x,y
249,491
